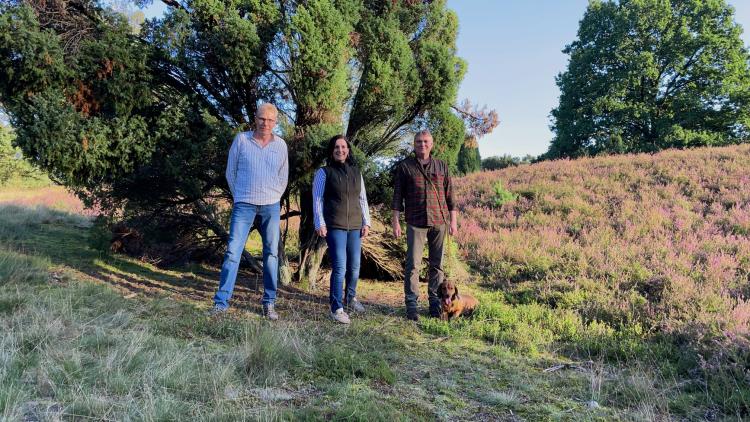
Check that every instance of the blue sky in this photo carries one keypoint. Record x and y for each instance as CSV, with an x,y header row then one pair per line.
x,y
514,51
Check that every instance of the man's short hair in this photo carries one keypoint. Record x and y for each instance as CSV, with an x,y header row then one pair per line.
x,y
422,132
267,107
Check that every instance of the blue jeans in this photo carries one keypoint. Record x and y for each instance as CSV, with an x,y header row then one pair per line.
x,y
345,248
243,215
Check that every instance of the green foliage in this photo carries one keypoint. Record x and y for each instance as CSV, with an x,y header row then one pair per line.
x,y
12,163
647,75
499,162
319,43
448,132
112,112
469,160
502,195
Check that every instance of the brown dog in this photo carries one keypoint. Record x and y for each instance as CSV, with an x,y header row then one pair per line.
x,y
453,304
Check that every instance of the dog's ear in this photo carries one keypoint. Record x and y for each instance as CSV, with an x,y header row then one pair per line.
x,y
455,294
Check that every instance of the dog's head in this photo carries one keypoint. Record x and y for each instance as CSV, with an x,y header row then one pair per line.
x,y
447,292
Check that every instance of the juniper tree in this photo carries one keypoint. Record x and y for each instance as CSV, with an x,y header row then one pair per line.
x,y
140,124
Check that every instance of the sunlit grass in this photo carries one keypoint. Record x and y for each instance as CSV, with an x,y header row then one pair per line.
x,y
569,285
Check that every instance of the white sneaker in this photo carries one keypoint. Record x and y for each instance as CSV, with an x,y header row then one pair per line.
x,y
216,311
340,316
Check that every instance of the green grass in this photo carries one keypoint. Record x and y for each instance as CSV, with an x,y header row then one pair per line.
x,y
37,180
72,346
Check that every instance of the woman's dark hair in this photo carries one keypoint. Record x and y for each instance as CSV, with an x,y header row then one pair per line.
x,y
332,145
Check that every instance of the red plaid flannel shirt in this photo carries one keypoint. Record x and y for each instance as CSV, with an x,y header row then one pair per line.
x,y
425,204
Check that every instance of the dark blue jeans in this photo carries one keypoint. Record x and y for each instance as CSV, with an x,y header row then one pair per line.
x,y
345,247
243,215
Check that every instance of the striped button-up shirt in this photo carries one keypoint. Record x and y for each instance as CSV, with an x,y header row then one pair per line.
x,y
426,202
257,175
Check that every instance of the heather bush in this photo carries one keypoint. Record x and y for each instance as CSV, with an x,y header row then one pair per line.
x,y
633,245
662,235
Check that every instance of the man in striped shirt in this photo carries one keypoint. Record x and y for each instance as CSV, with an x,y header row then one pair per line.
x,y
257,174
422,188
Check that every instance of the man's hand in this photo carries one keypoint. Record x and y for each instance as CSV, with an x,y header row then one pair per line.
x,y
322,231
454,223
364,231
396,225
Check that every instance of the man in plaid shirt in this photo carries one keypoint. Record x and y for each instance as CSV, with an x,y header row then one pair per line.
x,y
422,189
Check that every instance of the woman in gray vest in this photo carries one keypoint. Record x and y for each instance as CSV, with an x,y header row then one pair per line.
x,y
341,215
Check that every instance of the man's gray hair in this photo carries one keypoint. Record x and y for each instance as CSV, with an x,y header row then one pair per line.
x,y
422,132
268,107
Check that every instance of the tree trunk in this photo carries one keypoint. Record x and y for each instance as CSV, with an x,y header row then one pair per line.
x,y
285,270
311,246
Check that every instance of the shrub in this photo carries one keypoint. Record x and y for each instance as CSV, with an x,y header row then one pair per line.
x,y
502,196
499,162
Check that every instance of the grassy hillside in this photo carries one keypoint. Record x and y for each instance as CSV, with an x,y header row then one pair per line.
x,y
624,257
610,288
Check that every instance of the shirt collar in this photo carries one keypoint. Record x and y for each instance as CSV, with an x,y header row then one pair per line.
x,y
255,141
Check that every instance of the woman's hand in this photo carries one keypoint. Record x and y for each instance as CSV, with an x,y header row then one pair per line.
x,y
364,231
322,231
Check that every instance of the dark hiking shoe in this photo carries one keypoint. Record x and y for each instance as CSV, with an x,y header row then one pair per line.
x,y
435,309
354,305
412,315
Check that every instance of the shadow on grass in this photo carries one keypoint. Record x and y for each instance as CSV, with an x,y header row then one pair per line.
x,y
65,239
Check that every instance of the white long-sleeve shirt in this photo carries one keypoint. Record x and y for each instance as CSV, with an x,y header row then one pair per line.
x,y
257,175
319,187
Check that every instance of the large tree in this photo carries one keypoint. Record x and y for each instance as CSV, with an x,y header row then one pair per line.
x,y
140,124
645,75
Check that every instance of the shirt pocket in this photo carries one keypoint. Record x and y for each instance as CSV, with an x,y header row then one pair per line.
x,y
417,186
438,179
272,162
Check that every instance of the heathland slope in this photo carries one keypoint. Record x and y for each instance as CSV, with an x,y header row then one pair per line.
x,y
644,246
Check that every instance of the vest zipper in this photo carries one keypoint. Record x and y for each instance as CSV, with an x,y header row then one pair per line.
x,y
347,199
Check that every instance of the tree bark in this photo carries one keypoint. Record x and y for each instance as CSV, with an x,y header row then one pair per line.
x,y
285,270
312,247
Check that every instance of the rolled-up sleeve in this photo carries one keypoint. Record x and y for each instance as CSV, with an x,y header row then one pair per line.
x,y
231,173
398,186
363,205
284,169
319,186
449,191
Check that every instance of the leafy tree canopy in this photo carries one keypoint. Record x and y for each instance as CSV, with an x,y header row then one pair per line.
x,y
645,75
